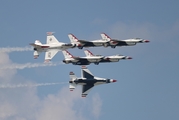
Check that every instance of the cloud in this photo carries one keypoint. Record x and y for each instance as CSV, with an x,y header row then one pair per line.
x,y
6,110
60,106
5,75
96,105
23,103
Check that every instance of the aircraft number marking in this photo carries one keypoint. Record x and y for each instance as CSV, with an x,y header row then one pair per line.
x,y
49,54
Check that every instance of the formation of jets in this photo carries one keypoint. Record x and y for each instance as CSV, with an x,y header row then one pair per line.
x,y
90,58
87,80
105,41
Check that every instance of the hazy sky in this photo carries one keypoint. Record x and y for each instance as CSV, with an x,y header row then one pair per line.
x,y
147,87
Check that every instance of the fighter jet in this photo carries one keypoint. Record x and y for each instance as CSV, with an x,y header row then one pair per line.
x,y
87,80
84,43
113,58
69,58
115,42
50,48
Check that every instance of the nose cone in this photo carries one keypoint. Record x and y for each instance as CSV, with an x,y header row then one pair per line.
x,y
112,80
128,57
146,41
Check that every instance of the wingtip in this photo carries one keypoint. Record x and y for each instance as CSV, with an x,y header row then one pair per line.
x,y
71,73
83,95
50,33
83,67
47,60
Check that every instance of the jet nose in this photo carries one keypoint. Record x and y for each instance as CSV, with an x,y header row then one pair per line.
x,y
112,80
128,57
146,41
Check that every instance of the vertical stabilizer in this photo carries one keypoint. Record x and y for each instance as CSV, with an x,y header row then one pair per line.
x,y
73,39
51,38
88,53
105,37
67,54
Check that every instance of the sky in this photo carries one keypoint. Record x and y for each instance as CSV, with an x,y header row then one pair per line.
x,y
147,86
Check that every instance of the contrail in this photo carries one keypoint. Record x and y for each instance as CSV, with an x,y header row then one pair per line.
x,y
17,49
30,85
28,65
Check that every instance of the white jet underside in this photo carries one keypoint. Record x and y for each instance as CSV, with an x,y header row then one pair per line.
x,y
51,48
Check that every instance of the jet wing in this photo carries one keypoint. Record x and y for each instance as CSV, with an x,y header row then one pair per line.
x,y
86,89
84,41
38,46
79,58
85,73
50,54
116,41
89,58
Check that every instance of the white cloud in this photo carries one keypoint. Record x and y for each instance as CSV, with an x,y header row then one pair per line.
x,y
5,75
23,103
60,106
6,110
96,105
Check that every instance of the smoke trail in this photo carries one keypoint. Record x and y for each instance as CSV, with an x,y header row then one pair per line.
x,y
30,85
13,49
29,65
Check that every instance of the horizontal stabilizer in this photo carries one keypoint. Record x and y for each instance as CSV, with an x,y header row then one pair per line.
x,y
36,54
72,76
72,86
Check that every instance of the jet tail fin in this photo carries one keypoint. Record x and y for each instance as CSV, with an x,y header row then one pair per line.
x,y
88,53
67,54
51,38
49,55
74,40
105,37
72,85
